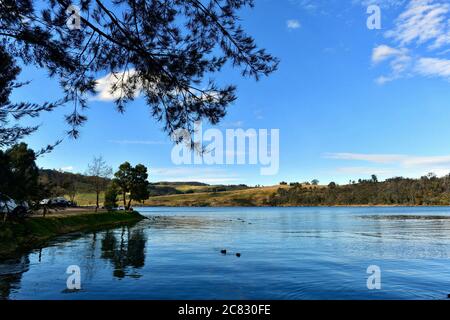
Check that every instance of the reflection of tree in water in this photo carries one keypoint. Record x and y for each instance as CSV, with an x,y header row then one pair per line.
x,y
128,251
11,276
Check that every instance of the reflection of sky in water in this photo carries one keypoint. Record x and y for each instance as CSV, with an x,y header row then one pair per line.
x,y
287,253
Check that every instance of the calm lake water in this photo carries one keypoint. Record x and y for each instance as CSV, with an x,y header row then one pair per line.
x,y
286,253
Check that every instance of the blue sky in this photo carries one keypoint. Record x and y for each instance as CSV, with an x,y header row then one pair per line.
x,y
348,101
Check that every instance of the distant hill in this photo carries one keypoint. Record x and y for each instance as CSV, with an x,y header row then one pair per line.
x,y
81,187
426,191
248,197
165,183
62,182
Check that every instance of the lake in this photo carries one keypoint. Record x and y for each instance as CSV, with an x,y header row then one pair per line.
x,y
286,253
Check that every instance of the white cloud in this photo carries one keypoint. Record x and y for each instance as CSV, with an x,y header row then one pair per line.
x,y
396,159
381,3
383,79
199,174
423,23
433,67
384,52
66,169
293,24
104,86
390,165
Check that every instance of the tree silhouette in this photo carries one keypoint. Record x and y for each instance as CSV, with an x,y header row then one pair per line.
x,y
132,180
99,170
9,135
166,50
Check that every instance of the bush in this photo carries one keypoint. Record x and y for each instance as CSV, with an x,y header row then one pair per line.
x,y
111,194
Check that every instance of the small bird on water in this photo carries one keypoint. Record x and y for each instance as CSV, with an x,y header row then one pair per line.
x,y
238,255
223,251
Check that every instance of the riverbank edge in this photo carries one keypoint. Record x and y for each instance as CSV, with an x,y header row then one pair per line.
x,y
19,236
297,206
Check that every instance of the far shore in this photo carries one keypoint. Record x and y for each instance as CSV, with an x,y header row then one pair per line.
x,y
297,206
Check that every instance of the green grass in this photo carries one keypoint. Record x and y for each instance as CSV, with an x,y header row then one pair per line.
x,y
88,199
19,235
203,197
236,198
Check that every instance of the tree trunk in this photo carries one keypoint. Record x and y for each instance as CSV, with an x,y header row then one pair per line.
x,y
129,204
97,190
124,200
98,194
5,216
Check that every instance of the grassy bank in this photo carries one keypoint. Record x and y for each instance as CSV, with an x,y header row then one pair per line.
x,y
16,236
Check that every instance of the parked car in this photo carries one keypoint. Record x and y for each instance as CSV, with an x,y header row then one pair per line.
x,y
13,208
60,202
57,202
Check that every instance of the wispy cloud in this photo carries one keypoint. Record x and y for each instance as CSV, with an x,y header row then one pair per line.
x,y
66,169
374,158
258,113
199,174
320,6
235,124
433,67
392,164
309,5
381,3
293,24
424,24
407,161
141,142
384,52
364,171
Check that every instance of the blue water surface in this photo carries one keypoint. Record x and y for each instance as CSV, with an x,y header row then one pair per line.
x,y
286,253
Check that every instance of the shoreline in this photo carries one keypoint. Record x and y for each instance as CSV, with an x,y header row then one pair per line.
x,y
299,206
19,236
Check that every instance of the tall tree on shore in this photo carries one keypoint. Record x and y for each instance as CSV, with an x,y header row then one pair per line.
x,y
165,50
19,175
123,180
132,180
139,188
24,182
99,171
